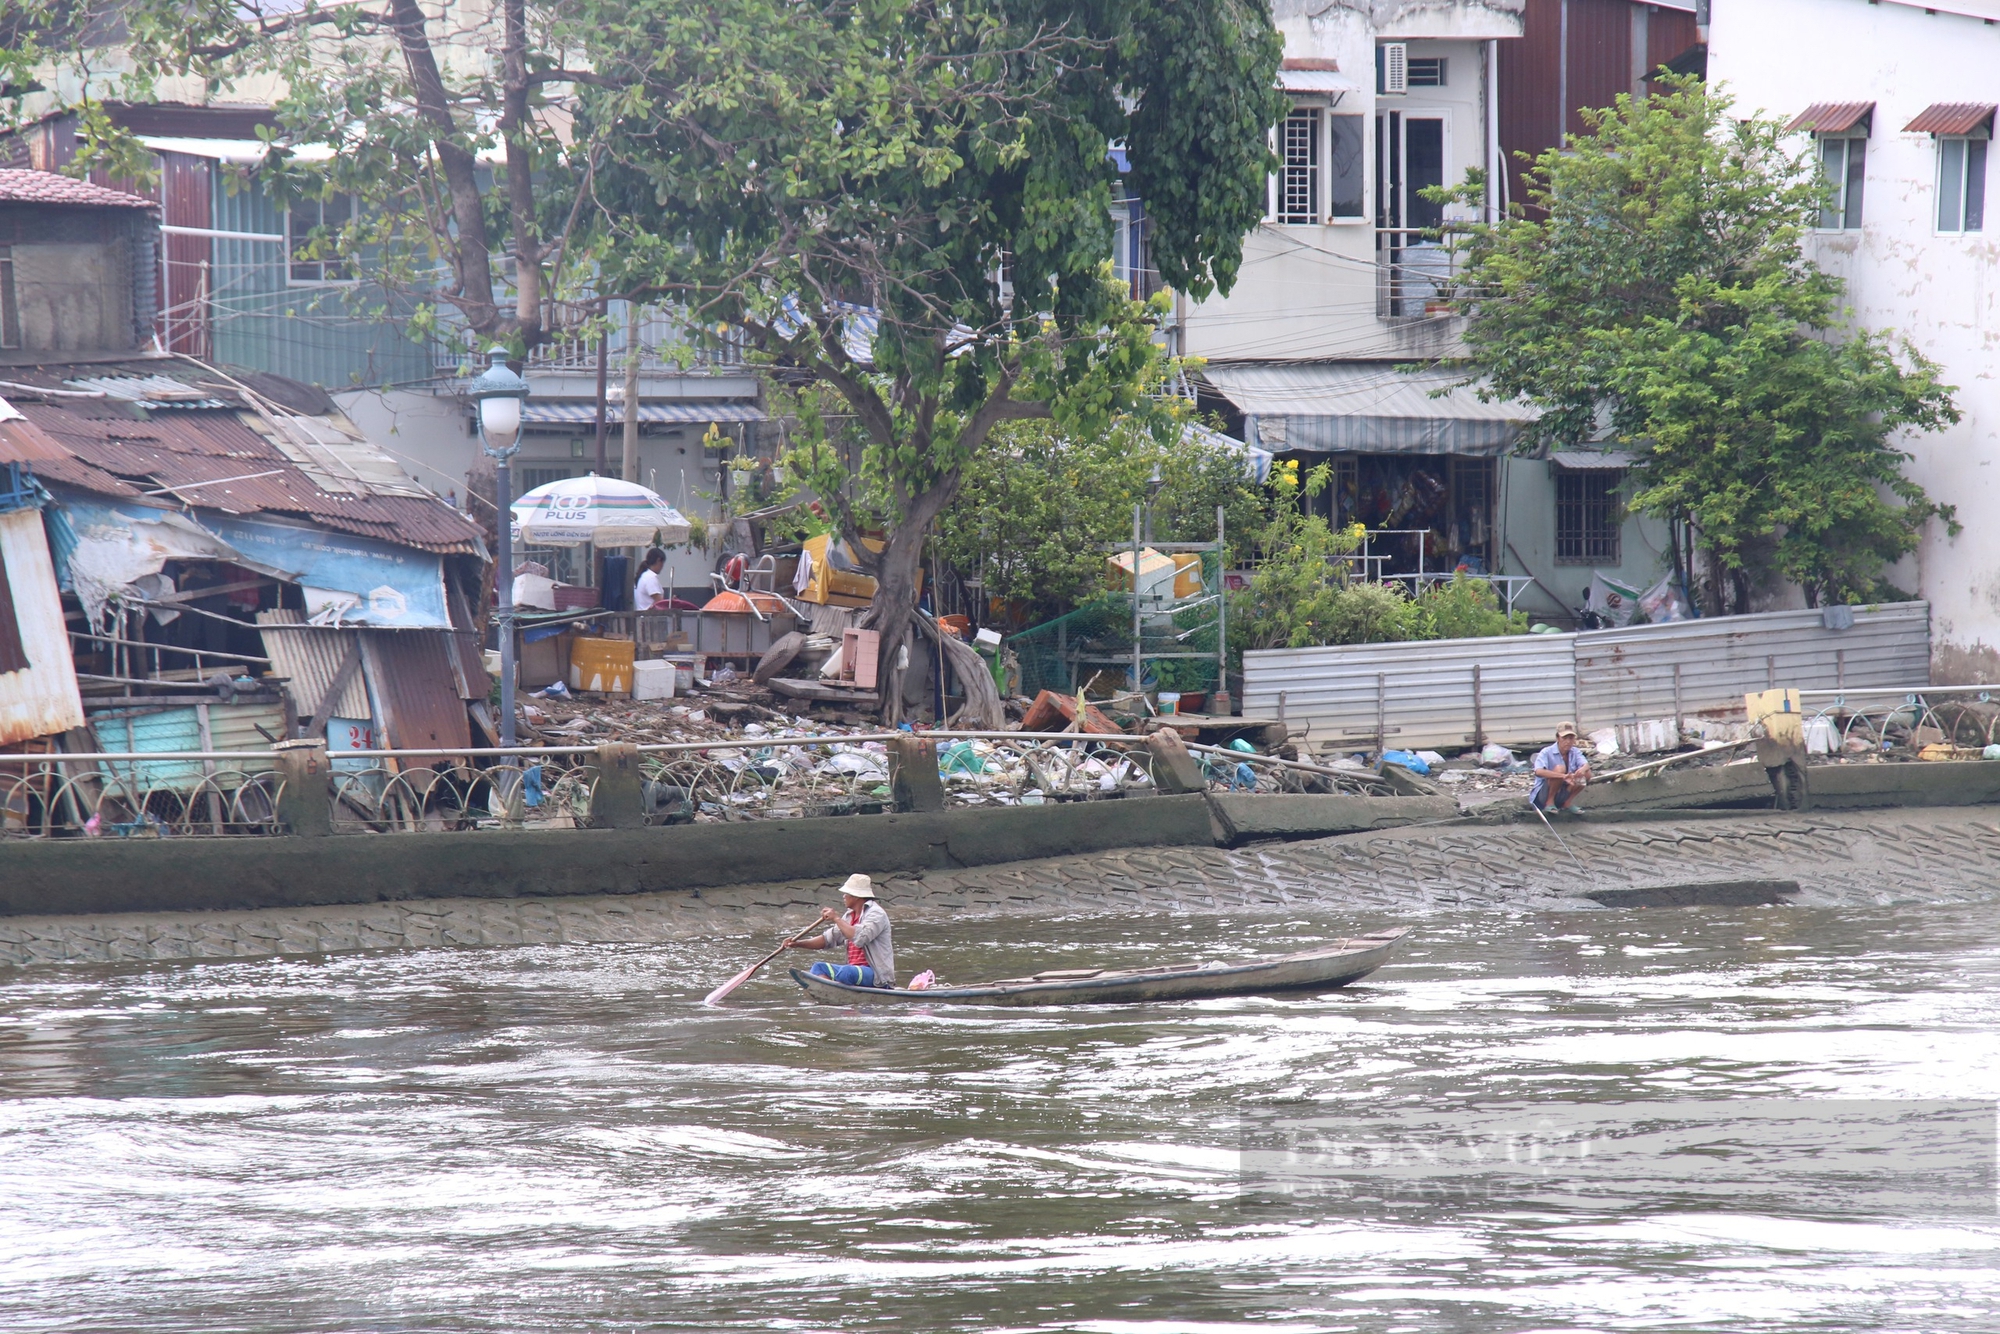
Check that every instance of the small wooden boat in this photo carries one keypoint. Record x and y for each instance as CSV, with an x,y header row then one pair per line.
x,y
1333,965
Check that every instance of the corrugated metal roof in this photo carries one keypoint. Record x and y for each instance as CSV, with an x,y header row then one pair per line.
x,y
1832,117
1314,81
214,460
411,679
21,441
1366,407
40,699
1592,459
1951,118
309,657
152,391
22,186
585,412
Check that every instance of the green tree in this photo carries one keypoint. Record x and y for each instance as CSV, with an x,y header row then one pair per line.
x,y
1037,506
905,206
1661,279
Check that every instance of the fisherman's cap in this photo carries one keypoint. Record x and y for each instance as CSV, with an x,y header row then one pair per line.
x,y
1565,729
859,887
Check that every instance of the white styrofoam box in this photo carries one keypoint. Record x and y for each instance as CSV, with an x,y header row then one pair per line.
x,y
653,679
535,591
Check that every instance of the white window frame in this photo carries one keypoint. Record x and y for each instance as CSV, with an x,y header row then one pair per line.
x,y
1316,167
1842,186
1967,178
293,263
1365,123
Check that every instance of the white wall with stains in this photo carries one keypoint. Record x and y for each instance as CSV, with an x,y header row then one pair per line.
x,y
1938,290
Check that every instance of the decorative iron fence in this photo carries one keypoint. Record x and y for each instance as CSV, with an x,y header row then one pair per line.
x,y
553,787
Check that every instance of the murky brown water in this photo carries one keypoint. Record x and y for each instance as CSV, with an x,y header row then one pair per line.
x,y
563,1139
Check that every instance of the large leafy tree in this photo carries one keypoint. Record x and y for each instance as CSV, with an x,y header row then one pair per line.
x,y
906,207
1662,281
448,123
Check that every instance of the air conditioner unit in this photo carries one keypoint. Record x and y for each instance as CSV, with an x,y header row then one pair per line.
x,y
1395,67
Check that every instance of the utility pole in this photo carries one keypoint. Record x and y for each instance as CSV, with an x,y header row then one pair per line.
x,y
630,464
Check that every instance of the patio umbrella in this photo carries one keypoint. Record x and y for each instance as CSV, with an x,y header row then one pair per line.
x,y
603,510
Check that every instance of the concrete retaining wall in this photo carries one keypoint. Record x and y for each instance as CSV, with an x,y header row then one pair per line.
x,y
1241,817
154,875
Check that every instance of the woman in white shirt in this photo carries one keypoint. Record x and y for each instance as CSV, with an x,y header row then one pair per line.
x,y
647,590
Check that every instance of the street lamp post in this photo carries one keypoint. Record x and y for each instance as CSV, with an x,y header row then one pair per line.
x,y
499,393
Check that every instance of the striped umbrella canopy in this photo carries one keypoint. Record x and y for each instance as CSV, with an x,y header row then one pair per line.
x,y
603,510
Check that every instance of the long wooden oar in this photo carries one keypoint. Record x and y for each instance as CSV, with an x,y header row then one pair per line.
x,y
721,993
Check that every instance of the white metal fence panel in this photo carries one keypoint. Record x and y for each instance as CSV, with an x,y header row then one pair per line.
x,y
1629,675
1424,694
1419,694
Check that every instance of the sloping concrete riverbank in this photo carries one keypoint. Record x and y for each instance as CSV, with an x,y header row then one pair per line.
x,y
1844,859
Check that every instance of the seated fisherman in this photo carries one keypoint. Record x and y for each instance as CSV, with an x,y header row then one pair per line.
x,y
1561,771
864,930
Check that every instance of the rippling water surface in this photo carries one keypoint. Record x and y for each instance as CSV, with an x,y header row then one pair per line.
x,y
564,1139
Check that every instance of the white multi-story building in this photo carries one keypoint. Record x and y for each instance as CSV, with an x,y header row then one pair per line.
x,y
1340,292
1900,96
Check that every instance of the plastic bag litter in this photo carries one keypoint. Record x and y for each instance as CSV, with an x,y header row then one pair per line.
x,y
1493,755
556,690
960,758
1430,757
1408,759
856,765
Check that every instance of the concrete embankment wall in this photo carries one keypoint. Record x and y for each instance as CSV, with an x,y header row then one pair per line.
x,y
107,875
207,875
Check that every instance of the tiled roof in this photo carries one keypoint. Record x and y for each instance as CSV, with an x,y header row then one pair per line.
x,y
18,186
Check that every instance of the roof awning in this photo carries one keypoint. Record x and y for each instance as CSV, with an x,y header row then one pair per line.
x,y
1832,117
1951,118
584,413
1592,460
1310,75
1365,407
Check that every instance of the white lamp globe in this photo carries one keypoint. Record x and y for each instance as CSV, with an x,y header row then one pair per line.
x,y
500,419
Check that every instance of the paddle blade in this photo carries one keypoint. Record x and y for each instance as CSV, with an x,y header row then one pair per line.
x,y
721,993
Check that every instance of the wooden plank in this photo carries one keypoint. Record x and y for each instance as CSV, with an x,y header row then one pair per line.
x,y
821,692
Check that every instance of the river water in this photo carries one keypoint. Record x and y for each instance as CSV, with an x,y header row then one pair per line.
x,y
564,1139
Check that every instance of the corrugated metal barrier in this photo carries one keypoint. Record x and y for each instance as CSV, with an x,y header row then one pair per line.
x,y
1456,692
1433,693
1667,671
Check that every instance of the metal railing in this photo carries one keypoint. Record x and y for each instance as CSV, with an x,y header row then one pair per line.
x,y
552,787
666,343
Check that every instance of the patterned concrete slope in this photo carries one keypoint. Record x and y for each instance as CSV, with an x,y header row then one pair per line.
x,y
1950,855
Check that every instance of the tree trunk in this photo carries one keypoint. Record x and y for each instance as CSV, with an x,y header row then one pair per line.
x,y
1676,530
896,574
471,260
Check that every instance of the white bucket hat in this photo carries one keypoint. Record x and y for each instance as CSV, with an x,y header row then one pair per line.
x,y
859,887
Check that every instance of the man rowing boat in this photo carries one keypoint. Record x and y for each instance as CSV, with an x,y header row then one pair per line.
x,y
864,930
